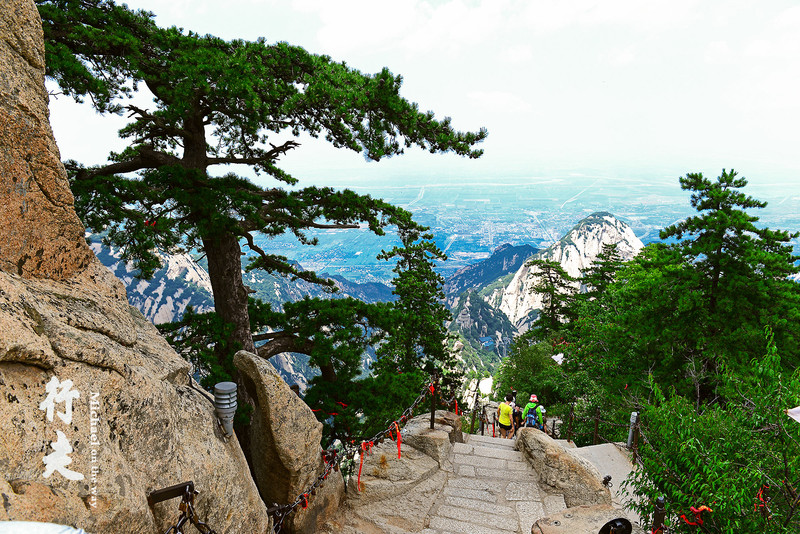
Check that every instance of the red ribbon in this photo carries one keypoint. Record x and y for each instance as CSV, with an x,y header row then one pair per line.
x,y
343,405
399,438
364,447
432,388
456,407
304,500
760,498
698,512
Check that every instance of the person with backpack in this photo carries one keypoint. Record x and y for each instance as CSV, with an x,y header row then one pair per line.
x,y
504,418
534,413
517,417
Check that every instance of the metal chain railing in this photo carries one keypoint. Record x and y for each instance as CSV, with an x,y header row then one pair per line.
x,y
186,491
332,458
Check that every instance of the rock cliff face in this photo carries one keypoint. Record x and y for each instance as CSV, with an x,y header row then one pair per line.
x,y
575,252
96,409
40,235
504,259
180,283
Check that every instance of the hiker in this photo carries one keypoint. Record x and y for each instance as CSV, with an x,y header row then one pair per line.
x,y
517,417
534,413
504,417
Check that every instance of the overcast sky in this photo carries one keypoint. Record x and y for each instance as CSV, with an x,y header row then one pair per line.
x,y
631,88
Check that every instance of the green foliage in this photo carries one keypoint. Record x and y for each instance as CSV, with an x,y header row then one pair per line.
x,y
419,339
557,292
486,321
530,369
195,336
682,312
721,456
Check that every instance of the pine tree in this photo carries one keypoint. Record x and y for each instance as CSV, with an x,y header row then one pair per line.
x,y
555,287
740,271
220,102
600,274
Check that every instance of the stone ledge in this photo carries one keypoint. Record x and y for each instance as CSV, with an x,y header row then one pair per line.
x,y
577,479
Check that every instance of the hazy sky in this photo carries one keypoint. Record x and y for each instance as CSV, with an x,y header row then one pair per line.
x,y
632,88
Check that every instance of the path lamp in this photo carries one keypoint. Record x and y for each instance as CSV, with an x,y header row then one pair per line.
x,y
225,404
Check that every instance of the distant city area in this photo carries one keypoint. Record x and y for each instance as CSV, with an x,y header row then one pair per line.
x,y
469,219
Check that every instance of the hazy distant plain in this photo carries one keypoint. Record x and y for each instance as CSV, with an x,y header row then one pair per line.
x,y
469,219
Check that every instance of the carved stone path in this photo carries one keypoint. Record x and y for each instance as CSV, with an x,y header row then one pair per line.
x,y
492,490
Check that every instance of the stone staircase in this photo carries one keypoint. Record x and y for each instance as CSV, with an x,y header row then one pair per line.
x,y
491,490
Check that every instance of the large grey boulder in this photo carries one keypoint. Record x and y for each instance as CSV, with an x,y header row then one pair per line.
x,y
96,409
437,442
137,422
284,443
575,477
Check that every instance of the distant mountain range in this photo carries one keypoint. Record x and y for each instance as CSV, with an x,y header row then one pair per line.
x,y
575,252
491,300
505,259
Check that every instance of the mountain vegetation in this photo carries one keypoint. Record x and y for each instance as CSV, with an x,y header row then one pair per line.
x,y
483,330
699,335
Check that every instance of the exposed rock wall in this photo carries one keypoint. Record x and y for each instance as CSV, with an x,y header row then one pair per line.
x,y
40,235
96,409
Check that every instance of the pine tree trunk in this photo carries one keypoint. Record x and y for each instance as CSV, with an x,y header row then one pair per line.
x,y
230,295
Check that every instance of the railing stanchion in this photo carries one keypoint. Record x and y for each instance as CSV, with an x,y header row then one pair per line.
x,y
433,399
659,515
596,437
569,427
474,408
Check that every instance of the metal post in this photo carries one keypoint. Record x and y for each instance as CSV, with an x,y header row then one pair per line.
x,y
474,408
433,399
596,438
658,516
484,420
569,427
634,419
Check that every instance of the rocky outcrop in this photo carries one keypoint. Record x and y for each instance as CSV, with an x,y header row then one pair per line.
x,y
96,409
575,252
125,413
284,443
575,477
40,235
580,519
395,494
438,441
505,259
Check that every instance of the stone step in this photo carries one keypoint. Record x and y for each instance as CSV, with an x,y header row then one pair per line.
x,y
456,526
477,505
489,441
508,521
554,504
480,449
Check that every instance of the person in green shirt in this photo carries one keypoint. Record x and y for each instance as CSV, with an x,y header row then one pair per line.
x,y
533,415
